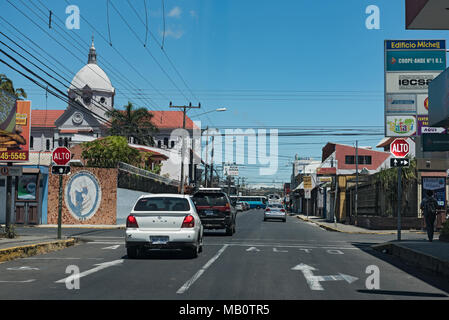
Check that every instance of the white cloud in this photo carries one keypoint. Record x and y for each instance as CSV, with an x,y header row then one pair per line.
x,y
177,34
193,14
175,12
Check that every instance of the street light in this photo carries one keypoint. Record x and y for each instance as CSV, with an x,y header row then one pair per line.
x,y
216,110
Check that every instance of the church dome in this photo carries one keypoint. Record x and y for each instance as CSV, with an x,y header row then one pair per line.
x,y
94,77
91,75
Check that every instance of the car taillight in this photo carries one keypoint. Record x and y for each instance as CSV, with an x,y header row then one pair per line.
x,y
189,222
267,209
282,210
131,222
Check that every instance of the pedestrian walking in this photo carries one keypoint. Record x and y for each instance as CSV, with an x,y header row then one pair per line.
x,y
429,207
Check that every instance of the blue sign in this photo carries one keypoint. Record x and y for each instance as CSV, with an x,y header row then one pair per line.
x,y
415,44
416,60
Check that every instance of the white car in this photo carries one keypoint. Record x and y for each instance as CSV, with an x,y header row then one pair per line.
x,y
275,211
163,221
239,206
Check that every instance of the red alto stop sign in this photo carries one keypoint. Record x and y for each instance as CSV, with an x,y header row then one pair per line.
x,y
61,156
399,148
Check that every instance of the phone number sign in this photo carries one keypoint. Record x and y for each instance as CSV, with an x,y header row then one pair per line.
x,y
14,155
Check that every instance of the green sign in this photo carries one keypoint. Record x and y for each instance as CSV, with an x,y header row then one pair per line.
x,y
416,60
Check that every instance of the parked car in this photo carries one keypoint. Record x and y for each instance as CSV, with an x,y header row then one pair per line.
x,y
275,211
239,206
245,205
163,221
215,210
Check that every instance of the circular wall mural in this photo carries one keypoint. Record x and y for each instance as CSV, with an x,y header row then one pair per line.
x,y
82,195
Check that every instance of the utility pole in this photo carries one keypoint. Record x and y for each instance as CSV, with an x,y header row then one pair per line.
x,y
205,166
212,164
356,176
182,148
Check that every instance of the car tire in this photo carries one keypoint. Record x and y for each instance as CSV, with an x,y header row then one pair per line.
x,y
258,207
229,231
132,252
285,220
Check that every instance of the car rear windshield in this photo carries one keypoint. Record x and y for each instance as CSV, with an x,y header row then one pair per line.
x,y
210,199
162,204
275,206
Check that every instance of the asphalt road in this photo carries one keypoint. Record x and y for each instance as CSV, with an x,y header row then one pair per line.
x,y
269,260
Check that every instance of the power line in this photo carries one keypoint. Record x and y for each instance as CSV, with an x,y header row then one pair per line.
x,y
120,77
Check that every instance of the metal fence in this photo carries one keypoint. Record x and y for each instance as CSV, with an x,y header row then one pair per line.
x,y
147,174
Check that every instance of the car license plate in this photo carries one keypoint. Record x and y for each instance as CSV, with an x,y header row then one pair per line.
x,y
159,239
209,212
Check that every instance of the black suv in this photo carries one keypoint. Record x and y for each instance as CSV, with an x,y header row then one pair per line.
x,y
215,210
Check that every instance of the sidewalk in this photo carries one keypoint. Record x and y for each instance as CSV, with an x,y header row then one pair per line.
x,y
430,256
32,240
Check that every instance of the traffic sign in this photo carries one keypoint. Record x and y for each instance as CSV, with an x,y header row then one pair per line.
x,y
399,162
61,156
399,148
60,169
307,182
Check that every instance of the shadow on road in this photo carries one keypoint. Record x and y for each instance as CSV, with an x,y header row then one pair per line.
x,y
430,278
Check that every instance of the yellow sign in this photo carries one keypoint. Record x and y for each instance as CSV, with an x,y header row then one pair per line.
x,y
21,119
307,182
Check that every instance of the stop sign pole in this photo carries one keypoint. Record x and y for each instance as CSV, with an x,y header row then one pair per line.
x,y
61,156
399,148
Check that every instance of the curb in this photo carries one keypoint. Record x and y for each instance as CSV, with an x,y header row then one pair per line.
x,y
112,227
415,258
34,249
336,230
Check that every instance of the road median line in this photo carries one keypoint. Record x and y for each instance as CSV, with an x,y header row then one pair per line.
x,y
29,250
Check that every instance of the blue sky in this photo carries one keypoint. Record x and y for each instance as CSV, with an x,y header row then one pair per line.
x,y
271,63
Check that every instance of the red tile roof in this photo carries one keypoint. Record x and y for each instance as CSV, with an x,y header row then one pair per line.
x,y
170,119
45,118
161,119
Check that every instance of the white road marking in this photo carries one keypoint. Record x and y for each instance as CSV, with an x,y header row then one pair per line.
x,y
252,249
276,250
100,266
334,251
196,276
17,281
23,268
106,242
111,247
314,281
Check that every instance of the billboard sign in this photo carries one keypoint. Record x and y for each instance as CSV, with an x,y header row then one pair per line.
x,y
410,68
15,146
400,126
419,60
7,111
231,170
401,103
422,103
416,82
438,186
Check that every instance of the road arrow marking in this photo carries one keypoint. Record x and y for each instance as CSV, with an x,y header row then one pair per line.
x,y
253,249
276,250
100,266
314,281
112,247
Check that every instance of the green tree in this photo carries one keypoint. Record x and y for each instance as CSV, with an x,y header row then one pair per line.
x,y
7,85
109,151
134,124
